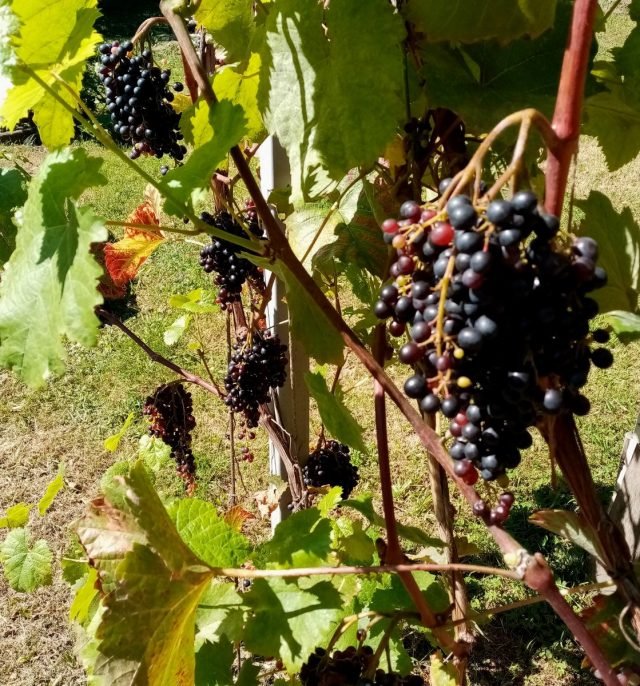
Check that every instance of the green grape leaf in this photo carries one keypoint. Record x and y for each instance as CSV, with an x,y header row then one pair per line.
x,y
49,287
214,663
200,301
483,82
289,618
51,491
17,515
112,442
230,23
26,567
217,129
248,675
572,527
13,194
154,452
354,123
399,659
391,595
319,93
329,501
240,86
339,422
321,341
625,324
351,542
221,613
358,245
504,20
613,117
147,632
54,40
618,236
301,540
364,505
443,673
207,534
177,329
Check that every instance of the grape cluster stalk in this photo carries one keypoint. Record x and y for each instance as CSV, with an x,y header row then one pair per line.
x,y
222,257
256,367
169,411
138,98
330,465
349,667
497,309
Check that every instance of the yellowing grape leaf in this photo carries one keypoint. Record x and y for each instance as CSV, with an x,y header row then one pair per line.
x,y
49,286
54,39
112,442
17,515
51,491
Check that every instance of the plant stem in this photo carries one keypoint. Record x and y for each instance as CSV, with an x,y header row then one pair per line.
x,y
156,357
568,110
295,572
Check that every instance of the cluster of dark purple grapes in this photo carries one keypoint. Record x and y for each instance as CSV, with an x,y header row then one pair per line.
x,y
331,465
498,311
253,371
170,414
349,667
223,258
139,102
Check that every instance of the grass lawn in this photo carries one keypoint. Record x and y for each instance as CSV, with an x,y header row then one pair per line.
x,y
68,420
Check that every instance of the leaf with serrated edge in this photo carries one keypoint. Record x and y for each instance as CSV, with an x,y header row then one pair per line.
x,y
337,419
25,567
207,534
289,618
200,301
571,526
222,128
51,491
112,442
84,598
364,505
618,236
624,323
221,613
230,22
17,515
154,452
49,286
55,39
214,662
443,673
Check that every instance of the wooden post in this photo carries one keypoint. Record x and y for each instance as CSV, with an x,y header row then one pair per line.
x,y
291,405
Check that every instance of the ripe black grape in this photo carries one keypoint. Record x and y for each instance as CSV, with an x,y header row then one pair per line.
x,y
170,414
255,368
331,465
138,99
498,313
223,258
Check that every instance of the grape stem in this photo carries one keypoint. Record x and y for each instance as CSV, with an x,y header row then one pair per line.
x,y
146,26
444,288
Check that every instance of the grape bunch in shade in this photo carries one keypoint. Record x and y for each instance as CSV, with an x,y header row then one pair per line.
x,y
497,307
169,411
138,98
256,367
350,667
330,465
223,257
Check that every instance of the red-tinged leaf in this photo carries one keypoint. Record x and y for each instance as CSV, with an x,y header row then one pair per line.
x,y
124,258
237,516
107,287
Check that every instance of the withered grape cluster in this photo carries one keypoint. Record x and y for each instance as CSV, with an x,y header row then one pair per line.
x,y
497,309
330,465
255,368
223,258
170,414
349,667
139,100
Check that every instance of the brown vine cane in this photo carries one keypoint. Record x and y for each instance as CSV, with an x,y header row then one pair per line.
x,y
534,571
